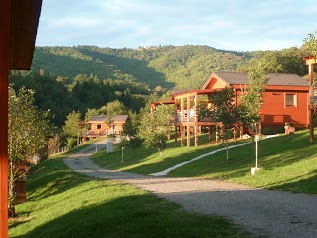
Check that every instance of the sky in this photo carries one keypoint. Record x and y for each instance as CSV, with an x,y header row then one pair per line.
x,y
238,25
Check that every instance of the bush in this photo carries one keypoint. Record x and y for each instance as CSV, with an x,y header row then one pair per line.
x,y
71,142
267,131
280,130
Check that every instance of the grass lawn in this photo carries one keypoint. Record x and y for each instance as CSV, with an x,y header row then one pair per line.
x,y
288,162
146,161
62,203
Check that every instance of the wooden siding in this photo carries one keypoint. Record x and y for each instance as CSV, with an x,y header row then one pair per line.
x,y
275,112
214,83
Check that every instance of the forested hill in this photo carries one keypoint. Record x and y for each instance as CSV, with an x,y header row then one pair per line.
x,y
159,67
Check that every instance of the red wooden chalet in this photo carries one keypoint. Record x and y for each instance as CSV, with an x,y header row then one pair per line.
x,y
285,100
101,125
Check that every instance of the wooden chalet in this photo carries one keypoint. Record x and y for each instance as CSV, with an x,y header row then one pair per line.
x,y
101,125
19,23
285,100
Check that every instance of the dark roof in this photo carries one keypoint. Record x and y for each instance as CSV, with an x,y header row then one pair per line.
x,y
104,118
274,79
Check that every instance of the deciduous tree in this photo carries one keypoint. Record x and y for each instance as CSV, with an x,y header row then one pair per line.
x,y
153,128
28,132
223,110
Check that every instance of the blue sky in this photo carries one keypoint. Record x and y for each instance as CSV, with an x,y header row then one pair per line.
x,y
241,25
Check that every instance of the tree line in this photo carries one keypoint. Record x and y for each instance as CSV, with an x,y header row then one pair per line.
x,y
165,67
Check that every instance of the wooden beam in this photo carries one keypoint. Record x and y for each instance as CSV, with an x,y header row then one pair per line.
x,y
188,127
175,135
196,119
311,63
5,46
182,135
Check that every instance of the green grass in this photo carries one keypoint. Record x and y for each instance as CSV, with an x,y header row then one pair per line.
x,y
62,203
288,163
146,161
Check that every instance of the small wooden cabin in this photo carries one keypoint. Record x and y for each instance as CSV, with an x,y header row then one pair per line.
x,y
101,125
285,98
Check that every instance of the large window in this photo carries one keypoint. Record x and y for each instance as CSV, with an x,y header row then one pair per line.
x,y
98,126
290,99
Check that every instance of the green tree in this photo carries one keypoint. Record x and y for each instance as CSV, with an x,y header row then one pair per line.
x,y
154,127
91,112
115,108
130,131
311,43
251,97
222,110
70,128
28,132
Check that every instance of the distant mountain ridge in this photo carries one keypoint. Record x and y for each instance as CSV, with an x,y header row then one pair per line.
x,y
165,67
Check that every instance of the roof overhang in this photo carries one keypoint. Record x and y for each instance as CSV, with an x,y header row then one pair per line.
x,y
24,23
309,59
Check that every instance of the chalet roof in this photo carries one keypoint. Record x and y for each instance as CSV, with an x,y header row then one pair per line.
x,y
104,118
234,78
25,21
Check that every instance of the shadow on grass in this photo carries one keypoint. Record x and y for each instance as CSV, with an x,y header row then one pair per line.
x,y
51,178
135,216
299,184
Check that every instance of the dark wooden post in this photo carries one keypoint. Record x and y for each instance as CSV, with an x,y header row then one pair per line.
x,y
5,31
196,119
188,127
310,61
210,133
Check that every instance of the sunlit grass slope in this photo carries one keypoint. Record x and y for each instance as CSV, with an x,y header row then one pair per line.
x,y
288,162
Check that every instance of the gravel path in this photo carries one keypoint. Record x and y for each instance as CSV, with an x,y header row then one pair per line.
x,y
263,212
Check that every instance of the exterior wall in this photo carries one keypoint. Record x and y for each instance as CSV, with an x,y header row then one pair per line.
x,y
275,112
116,127
215,83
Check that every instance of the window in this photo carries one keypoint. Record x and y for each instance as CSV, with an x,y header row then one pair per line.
x,y
290,100
98,126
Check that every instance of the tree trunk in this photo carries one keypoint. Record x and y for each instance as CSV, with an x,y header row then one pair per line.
x,y
161,153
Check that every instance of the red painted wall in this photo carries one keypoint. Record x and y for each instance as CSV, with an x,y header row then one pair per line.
x,y
275,112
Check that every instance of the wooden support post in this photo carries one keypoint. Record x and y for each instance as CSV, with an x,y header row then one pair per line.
x,y
188,127
311,112
182,135
310,61
196,135
188,135
210,133
241,132
175,135
196,119
182,110
188,108
5,41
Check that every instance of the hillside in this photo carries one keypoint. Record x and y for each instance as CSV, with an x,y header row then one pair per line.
x,y
168,66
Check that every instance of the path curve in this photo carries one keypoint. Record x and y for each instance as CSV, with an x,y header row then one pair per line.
x,y
263,212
